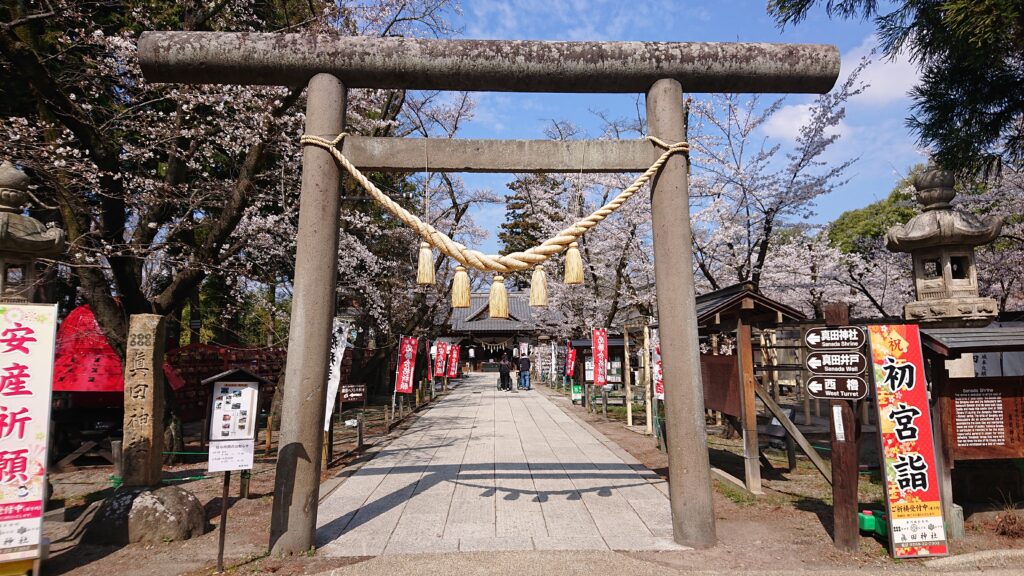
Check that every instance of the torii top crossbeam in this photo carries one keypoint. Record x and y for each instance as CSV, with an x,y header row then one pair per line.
x,y
485,65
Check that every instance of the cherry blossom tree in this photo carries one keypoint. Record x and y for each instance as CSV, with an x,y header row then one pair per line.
x,y
161,187
745,189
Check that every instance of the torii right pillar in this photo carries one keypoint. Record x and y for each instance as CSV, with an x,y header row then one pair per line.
x,y
689,477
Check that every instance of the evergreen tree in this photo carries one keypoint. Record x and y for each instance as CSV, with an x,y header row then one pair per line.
x,y
969,106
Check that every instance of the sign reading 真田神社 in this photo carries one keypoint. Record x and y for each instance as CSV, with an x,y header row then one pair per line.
x,y
27,334
908,453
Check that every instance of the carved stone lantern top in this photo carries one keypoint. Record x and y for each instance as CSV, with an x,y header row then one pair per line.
x,y
939,224
19,234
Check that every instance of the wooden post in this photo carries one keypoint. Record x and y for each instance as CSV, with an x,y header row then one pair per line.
x,y
270,432
627,377
748,407
243,484
604,402
843,427
223,522
118,457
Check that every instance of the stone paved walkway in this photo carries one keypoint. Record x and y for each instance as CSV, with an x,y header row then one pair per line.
x,y
488,470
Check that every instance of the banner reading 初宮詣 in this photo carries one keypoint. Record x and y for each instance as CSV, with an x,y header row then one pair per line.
x,y
27,336
908,452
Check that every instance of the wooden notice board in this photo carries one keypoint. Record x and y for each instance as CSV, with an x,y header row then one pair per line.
x,y
983,418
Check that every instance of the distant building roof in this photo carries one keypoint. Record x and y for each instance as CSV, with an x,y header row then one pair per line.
x,y
476,318
996,337
731,297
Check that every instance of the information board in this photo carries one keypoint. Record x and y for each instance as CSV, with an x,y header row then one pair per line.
x,y
27,336
233,414
231,455
985,418
913,499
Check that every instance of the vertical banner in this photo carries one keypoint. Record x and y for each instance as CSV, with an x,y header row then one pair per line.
x,y
339,341
430,351
659,376
600,343
524,349
908,453
441,359
27,337
570,360
453,362
406,364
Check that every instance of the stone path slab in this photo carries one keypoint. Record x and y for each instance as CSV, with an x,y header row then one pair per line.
x,y
485,470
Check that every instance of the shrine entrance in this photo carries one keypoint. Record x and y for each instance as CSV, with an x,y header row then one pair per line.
x,y
329,65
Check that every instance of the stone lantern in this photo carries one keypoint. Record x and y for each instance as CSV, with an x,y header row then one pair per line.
x,y
23,239
941,241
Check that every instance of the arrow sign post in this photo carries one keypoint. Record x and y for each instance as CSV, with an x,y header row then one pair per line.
x,y
837,387
835,338
836,363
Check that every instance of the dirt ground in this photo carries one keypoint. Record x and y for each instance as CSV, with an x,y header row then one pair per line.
x,y
787,529
790,526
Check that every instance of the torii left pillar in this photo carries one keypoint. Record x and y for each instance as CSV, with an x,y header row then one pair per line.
x,y
297,486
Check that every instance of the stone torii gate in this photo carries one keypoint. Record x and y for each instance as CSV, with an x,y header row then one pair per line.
x,y
330,64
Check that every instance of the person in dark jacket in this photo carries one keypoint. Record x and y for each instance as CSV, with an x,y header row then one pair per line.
x,y
524,372
504,370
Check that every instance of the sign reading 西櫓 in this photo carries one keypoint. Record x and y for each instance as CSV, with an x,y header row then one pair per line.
x,y
27,334
908,452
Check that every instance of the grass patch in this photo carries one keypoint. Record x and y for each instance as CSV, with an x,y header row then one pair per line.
x,y
734,494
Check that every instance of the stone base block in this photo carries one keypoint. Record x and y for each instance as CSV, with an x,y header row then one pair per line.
x,y
155,515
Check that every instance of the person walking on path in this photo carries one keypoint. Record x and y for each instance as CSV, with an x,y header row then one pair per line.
x,y
504,370
524,372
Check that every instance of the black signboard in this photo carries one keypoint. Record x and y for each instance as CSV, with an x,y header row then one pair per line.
x,y
837,387
836,363
835,338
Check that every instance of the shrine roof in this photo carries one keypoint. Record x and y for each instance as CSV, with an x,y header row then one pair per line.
x,y
477,319
996,337
731,298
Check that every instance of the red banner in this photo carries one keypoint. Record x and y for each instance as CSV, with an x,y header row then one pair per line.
x,y
570,361
453,362
908,454
440,358
600,342
406,365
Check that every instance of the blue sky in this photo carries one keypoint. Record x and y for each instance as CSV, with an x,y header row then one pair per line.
x,y
874,128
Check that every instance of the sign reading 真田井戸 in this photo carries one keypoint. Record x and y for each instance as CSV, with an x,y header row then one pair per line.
x,y
27,334
908,453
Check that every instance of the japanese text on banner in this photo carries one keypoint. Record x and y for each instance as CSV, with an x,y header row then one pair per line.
x,y
406,365
27,334
600,343
908,453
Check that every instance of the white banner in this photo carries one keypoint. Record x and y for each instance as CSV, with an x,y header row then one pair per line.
x,y
27,337
339,341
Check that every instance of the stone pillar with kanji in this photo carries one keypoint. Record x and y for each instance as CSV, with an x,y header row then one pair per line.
x,y
143,401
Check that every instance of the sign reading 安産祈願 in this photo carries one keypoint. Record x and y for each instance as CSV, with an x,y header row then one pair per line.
x,y
440,359
908,454
27,334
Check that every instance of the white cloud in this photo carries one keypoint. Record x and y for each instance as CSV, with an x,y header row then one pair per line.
x,y
889,81
786,123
